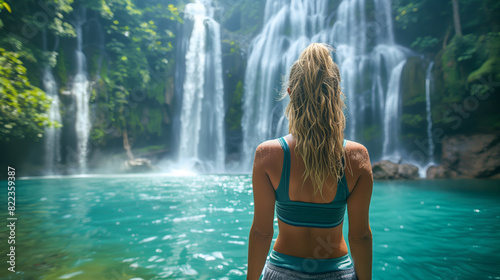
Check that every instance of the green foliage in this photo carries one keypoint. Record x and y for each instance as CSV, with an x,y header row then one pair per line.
x,y
5,5
467,65
457,53
492,65
486,68
425,43
234,47
155,118
464,47
26,26
479,90
61,68
413,120
140,56
150,149
407,13
23,107
372,132
465,60
235,112
27,18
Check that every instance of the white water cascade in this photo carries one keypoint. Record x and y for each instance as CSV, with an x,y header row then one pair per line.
x,y
370,62
52,134
428,77
392,115
202,117
81,92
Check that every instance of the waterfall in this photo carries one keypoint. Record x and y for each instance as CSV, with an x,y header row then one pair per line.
x,y
52,134
202,116
81,91
52,138
370,63
288,28
428,77
392,115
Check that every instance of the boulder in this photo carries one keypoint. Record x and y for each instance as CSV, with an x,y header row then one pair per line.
x,y
407,171
473,156
440,172
384,170
389,170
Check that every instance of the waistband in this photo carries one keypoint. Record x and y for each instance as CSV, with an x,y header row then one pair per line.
x,y
310,265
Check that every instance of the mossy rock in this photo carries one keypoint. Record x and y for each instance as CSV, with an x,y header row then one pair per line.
x,y
413,81
488,68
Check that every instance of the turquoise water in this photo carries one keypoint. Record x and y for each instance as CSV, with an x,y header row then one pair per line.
x,y
163,227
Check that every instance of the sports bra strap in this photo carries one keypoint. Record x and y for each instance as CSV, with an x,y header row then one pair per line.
x,y
343,181
282,191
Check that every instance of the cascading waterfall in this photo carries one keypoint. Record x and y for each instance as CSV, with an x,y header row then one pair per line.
x,y
391,57
287,30
369,60
52,134
202,116
422,168
81,91
392,114
428,77
52,138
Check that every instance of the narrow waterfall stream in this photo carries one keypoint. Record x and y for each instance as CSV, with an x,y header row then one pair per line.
x,y
428,81
52,134
202,116
81,93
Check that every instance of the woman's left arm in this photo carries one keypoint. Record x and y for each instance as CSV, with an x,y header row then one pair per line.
x,y
261,232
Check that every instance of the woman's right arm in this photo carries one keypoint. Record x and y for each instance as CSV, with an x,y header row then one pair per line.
x,y
358,204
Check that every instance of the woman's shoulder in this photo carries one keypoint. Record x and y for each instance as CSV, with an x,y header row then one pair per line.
x,y
357,156
269,148
268,152
355,147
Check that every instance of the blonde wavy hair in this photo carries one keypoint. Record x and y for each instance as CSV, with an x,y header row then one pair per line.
x,y
315,114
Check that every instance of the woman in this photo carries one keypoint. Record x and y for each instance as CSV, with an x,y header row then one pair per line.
x,y
310,176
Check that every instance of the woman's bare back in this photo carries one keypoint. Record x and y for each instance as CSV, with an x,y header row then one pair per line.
x,y
310,242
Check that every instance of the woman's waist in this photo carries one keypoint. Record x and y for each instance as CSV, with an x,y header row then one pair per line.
x,y
303,244
310,242
310,265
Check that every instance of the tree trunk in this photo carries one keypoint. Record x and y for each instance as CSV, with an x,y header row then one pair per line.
x,y
126,145
445,40
456,18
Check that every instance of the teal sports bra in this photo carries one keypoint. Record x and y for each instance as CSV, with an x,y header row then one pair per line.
x,y
306,214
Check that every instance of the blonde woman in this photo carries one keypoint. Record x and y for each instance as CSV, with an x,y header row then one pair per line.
x,y
312,175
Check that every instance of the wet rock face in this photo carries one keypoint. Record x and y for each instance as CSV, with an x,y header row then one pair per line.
x,y
384,170
474,156
407,171
463,156
440,172
389,170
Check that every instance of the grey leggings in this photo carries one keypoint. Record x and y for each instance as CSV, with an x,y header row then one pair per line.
x,y
273,272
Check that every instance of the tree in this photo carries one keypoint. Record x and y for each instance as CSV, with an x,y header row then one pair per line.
x,y
456,18
23,107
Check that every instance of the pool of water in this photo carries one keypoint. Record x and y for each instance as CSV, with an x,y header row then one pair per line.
x,y
164,227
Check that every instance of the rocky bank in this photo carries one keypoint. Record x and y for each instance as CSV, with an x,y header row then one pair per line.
x,y
468,156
